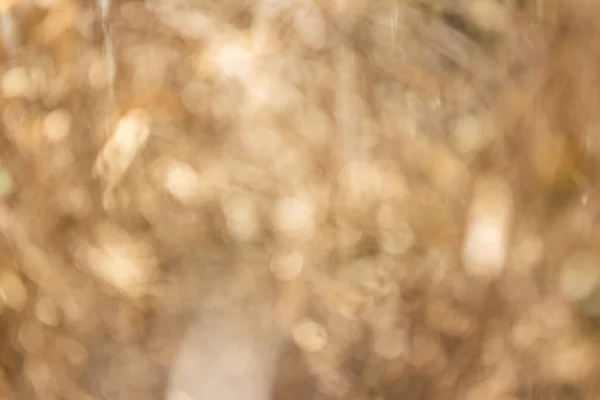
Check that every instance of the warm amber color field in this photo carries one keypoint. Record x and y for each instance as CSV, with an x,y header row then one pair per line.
x,y
342,199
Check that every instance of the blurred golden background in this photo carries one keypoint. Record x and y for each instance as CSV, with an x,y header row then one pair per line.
x,y
299,199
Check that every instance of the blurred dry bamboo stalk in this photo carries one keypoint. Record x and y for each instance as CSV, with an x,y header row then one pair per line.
x,y
104,6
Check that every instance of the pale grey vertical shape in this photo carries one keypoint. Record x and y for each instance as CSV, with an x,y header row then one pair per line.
x,y
11,37
225,356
